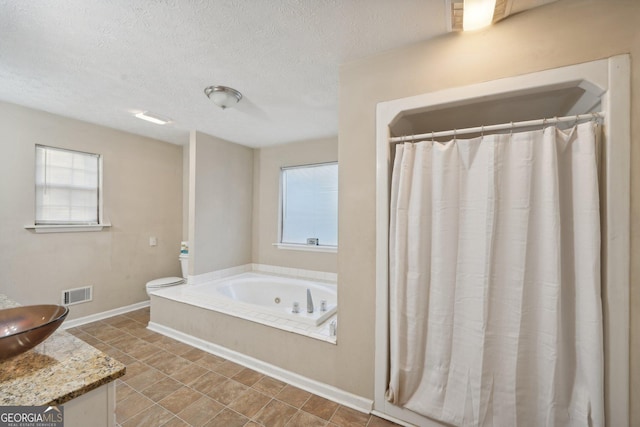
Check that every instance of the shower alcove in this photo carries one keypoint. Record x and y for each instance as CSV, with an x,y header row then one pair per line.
x,y
598,86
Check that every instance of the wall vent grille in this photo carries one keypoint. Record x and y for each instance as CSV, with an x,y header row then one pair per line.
x,y
77,295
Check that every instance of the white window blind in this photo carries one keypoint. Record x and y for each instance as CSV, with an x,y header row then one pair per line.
x,y
67,187
310,204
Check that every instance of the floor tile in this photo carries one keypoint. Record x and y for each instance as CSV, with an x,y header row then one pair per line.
x,y
152,337
153,416
143,333
379,422
75,331
107,333
189,374
293,396
320,407
305,419
176,422
161,389
347,417
208,382
194,354
102,346
120,321
228,368
134,369
228,418
210,361
227,391
269,386
89,339
249,403
94,327
201,411
248,377
173,346
131,406
275,414
123,391
119,356
180,399
166,362
143,350
135,326
141,316
126,343
145,379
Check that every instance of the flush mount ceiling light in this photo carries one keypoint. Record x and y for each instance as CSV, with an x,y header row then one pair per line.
x,y
477,14
469,15
153,118
224,97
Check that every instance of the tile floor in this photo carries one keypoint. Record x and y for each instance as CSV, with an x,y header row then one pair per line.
x,y
169,383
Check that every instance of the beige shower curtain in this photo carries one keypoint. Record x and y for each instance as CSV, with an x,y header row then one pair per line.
x,y
495,310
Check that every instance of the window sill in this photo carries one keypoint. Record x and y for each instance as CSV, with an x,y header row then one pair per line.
x,y
65,228
308,248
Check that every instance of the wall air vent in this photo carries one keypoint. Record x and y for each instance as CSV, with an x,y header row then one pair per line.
x,y
77,295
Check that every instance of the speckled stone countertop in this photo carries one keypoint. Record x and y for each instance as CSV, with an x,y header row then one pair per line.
x,y
55,371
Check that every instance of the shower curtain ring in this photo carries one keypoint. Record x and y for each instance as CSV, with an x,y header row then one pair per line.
x,y
432,136
482,131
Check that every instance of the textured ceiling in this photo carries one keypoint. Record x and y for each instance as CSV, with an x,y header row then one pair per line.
x,y
102,61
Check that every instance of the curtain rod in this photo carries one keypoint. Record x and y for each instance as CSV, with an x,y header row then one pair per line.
x,y
503,126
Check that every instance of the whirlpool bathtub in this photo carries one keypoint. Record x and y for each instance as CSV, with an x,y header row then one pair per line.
x,y
263,296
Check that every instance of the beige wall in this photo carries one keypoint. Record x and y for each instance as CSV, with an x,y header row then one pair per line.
x,y
562,33
185,192
266,202
220,204
142,198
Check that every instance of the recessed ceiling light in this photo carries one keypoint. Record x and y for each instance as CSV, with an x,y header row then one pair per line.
x,y
153,118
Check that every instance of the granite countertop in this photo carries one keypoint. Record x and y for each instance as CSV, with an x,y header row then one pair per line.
x,y
55,371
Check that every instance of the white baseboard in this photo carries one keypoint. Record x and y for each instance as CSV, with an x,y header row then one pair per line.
x,y
321,389
103,315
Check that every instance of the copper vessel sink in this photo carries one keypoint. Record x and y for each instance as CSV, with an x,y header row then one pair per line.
x,y
22,328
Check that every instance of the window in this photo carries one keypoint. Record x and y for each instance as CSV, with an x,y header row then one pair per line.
x,y
310,204
67,187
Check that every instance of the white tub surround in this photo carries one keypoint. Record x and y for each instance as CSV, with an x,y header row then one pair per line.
x,y
299,273
265,298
